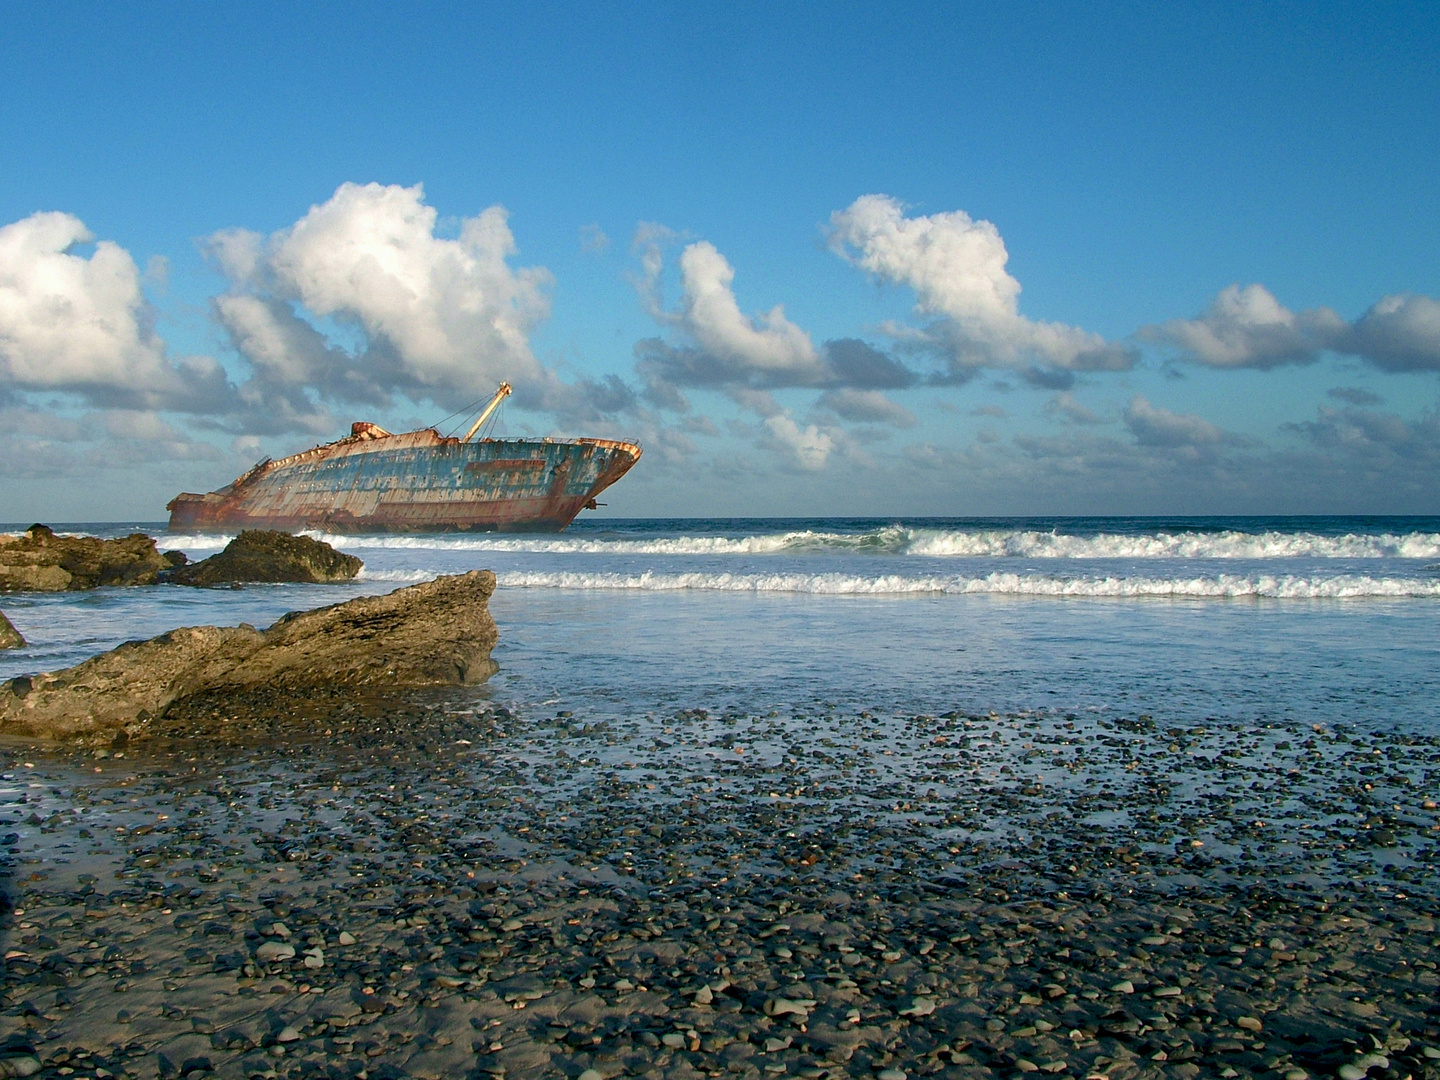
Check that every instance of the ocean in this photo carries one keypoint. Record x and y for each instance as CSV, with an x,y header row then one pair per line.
x,y
1315,620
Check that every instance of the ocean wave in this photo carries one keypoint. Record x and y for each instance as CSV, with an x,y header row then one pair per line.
x,y
566,545
192,541
1230,544
1220,586
946,543
904,540
403,577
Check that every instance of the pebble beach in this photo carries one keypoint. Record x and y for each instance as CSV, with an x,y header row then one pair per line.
x,y
442,887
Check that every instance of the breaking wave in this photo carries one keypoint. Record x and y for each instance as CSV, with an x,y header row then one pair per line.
x,y
937,543
1221,586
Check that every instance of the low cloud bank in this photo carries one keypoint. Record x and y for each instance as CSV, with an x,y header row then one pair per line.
x,y
366,301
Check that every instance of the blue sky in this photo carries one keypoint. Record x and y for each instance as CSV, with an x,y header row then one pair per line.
x,y
1056,258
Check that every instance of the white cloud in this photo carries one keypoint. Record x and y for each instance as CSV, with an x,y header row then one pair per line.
x,y
1248,327
729,346
809,446
866,406
443,318
1400,333
760,402
282,348
1066,407
40,423
1154,426
82,325
769,342
956,267
140,426
720,346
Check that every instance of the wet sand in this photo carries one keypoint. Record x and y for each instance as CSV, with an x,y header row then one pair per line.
x,y
443,889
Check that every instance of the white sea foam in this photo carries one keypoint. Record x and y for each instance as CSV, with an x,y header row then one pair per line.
x,y
934,543
1220,586
1230,544
403,577
192,541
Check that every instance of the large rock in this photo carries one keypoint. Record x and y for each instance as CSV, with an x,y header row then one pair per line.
x,y
9,637
259,555
438,633
39,561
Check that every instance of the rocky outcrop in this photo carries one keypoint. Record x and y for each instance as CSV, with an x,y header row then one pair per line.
x,y
9,637
37,560
257,555
438,633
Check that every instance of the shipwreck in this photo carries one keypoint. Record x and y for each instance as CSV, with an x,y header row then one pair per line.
x,y
417,481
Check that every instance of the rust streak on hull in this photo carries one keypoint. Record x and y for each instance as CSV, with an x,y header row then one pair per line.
x,y
418,481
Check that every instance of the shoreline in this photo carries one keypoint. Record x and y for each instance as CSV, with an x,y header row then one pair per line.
x,y
547,895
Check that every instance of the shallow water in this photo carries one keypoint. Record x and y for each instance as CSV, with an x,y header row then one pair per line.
x,y
1312,620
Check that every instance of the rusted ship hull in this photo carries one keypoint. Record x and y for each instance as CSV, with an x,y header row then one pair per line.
x,y
416,482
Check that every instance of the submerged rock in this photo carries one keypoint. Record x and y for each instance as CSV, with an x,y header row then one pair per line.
x,y
258,555
438,633
37,560
9,637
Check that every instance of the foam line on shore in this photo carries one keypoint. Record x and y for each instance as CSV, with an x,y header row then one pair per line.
x,y
1221,586
942,543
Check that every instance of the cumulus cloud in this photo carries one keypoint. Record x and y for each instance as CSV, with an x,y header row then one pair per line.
x,y
956,267
1400,333
440,318
82,325
1064,406
1247,327
854,363
1154,426
766,343
720,346
1369,435
866,406
809,447
724,344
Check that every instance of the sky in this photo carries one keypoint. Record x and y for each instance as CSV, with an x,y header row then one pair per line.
x,y
926,259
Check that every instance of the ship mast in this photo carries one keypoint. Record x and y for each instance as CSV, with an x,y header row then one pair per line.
x,y
500,395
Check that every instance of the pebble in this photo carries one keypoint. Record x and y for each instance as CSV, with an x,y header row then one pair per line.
x,y
1249,1023
788,1007
569,918
271,952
